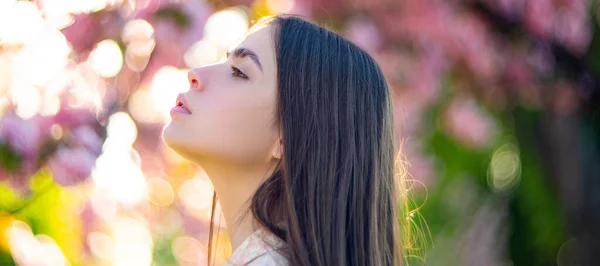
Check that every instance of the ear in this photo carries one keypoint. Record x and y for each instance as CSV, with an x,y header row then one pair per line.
x,y
277,150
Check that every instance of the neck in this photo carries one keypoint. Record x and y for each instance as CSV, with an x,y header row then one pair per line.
x,y
235,186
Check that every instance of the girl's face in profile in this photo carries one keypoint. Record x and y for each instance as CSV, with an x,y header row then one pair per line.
x,y
227,115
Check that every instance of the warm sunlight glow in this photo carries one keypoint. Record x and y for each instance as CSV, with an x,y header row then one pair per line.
x,y
188,250
50,251
196,195
166,84
160,192
87,88
132,243
103,204
280,6
28,100
226,27
120,176
137,30
28,249
76,6
121,130
33,60
45,59
101,245
50,105
22,13
203,52
143,112
106,59
170,222
139,36
118,169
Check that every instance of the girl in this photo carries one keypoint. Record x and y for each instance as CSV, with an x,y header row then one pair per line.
x,y
295,131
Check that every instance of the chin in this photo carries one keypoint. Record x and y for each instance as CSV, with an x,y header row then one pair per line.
x,y
179,141
170,136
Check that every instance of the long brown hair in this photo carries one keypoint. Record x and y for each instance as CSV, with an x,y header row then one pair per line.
x,y
334,196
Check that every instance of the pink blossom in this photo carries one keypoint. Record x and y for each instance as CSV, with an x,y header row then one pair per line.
x,y
519,72
326,7
420,166
428,75
165,53
509,8
87,137
146,9
578,5
538,17
24,136
368,5
198,12
71,166
467,123
301,8
420,20
474,45
364,33
407,112
83,33
393,64
69,117
168,32
573,30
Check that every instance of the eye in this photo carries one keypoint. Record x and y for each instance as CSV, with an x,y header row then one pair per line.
x,y
236,72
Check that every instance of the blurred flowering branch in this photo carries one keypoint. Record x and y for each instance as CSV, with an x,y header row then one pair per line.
x,y
573,64
67,143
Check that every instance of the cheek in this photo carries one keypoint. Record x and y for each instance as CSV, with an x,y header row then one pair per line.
x,y
232,124
241,134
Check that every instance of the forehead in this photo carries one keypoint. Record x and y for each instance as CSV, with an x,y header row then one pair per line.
x,y
260,40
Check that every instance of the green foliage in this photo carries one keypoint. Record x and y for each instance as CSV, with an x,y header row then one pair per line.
x,y
162,252
45,212
174,14
537,222
536,226
9,160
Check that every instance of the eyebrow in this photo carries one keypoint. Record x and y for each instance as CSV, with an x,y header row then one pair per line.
x,y
243,52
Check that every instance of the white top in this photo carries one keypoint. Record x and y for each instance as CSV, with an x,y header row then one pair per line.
x,y
259,248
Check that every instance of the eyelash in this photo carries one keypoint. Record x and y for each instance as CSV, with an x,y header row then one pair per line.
x,y
236,72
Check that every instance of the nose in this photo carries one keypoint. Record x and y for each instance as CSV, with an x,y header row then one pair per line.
x,y
194,80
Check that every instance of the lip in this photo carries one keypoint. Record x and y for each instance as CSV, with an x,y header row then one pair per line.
x,y
180,106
